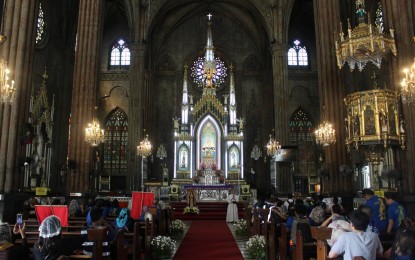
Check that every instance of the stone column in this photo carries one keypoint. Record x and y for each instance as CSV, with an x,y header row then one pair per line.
x,y
331,91
280,79
18,51
402,18
84,91
136,118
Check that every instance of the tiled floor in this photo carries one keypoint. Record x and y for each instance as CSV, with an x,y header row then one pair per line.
x,y
240,240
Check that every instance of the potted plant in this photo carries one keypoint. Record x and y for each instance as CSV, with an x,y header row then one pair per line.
x,y
256,247
162,246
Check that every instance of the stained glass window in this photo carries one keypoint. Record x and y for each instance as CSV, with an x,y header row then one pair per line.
x,y
115,145
379,17
120,55
302,136
297,55
41,25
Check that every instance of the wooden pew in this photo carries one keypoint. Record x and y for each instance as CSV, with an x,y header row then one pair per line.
x,y
304,242
97,236
321,234
271,240
248,219
283,242
256,224
134,248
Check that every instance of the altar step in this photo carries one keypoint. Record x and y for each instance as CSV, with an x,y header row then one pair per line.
x,y
208,210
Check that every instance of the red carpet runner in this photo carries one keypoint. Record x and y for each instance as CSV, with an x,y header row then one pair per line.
x,y
208,239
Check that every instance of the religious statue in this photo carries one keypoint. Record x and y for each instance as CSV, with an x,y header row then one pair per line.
x,y
401,123
176,123
384,121
183,164
190,99
356,128
241,124
191,198
360,7
233,159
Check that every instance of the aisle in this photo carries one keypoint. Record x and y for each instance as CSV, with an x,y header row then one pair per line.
x,y
208,239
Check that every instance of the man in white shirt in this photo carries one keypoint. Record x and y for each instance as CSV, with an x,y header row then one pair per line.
x,y
358,242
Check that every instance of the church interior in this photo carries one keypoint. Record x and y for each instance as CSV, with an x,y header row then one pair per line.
x,y
303,97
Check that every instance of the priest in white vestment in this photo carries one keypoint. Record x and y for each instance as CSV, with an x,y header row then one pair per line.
x,y
232,212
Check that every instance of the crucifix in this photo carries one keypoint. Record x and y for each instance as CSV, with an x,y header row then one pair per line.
x,y
209,16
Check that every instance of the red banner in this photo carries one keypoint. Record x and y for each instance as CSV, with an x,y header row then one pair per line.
x,y
140,199
44,211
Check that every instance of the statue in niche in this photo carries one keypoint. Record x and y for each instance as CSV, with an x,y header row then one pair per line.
x,y
384,122
176,123
401,123
183,162
356,129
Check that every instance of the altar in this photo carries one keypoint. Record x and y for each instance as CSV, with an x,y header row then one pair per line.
x,y
208,137
218,192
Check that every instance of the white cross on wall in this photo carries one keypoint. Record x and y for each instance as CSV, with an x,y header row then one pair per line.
x,y
209,16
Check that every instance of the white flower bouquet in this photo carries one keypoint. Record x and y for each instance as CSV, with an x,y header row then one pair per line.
x,y
256,247
177,226
240,227
161,247
191,210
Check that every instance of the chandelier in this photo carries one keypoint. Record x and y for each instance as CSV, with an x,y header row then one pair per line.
x,y
7,89
363,43
144,149
408,85
325,134
209,71
256,153
161,152
273,147
94,135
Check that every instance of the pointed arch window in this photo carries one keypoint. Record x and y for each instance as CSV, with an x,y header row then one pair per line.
x,y
120,55
302,136
297,55
115,145
41,25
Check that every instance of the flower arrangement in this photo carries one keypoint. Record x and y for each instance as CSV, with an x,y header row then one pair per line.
x,y
218,172
196,179
213,166
199,173
240,227
221,179
202,166
256,247
162,247
191,210
177,226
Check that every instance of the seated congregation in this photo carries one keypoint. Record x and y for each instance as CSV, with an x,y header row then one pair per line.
x,y
102,231
320,228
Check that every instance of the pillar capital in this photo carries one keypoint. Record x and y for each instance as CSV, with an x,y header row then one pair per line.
x,y
277,48
138,48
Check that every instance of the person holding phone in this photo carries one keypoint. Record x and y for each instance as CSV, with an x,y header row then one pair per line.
x,y
7,239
